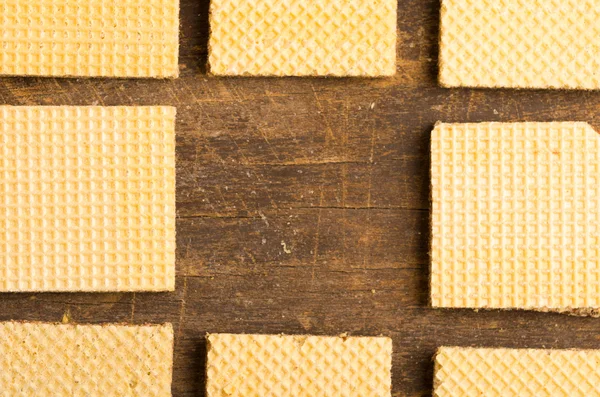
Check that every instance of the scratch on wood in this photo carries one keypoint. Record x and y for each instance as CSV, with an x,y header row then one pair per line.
x,y
266,190
97,94
123,91
241,198
316,248
186,85
268,143
261,131
470,105
187,248
223,199
345,149
359,208
308,162
216,215
371,161
246,162
367,256
328,129
182,308
171,90
132,308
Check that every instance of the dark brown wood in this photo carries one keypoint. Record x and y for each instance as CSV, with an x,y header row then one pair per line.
x,y
303,205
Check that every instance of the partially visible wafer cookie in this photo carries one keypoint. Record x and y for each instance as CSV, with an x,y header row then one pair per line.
x,y
49,360
299,366
468,372
303,38
516,216
87,198
520,43
112,38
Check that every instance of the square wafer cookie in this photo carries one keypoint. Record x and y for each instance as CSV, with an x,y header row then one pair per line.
x,y
49,360
87,198
515,216
466,372
303,38
111,38
520,43
298,366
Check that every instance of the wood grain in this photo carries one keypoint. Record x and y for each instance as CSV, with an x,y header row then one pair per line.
x,y
303,205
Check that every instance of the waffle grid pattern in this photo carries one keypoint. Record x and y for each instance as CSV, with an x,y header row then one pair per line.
x,y
300,366
516,216
299,38
520,43
468,372
87,198
48,360
115,38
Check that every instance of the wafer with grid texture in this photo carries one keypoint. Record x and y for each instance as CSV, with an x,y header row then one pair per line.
x,y
466,372
520,43
516,216
303,38
299,366
87,198
111,38
48,360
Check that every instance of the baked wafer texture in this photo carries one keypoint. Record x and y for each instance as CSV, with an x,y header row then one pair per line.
x,y
466,372
298,366
303,38
112,38
87,198
520,43
48,360
516,216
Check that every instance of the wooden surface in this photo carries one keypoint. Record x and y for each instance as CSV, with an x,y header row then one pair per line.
x,y
303,205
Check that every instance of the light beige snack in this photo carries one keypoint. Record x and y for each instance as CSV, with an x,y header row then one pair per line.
x,y
112,38
466,372
49,360
87,198
515,216
298,366
303,38
520,43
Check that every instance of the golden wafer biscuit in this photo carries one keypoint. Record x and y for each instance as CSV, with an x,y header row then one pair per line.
x,y
520,43
111,38
516,216
49,360
87,198
303,38
298,366
468,372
